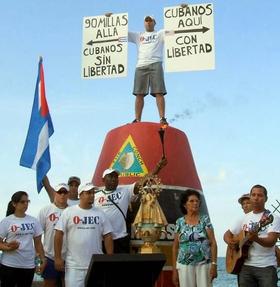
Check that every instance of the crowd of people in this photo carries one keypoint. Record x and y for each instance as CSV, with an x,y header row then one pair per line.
x,y
82,220
96,224
195,249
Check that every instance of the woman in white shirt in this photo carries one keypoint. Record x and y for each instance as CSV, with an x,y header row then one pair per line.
x,y
20,241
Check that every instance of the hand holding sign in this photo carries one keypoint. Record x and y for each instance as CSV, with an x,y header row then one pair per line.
x,y
105,46
192,45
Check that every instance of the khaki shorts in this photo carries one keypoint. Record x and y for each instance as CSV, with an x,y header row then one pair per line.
x,y
151,78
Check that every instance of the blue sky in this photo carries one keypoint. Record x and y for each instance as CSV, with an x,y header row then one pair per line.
x,y
232,119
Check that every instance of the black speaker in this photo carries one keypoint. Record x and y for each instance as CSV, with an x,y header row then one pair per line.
x,y
135,270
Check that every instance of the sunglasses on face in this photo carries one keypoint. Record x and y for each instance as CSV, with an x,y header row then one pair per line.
x,y
62,192
89,192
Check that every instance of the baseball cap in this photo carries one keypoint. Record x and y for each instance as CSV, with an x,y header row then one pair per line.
x,y
86,187
108,171
149,17
74,178
244,196
61,186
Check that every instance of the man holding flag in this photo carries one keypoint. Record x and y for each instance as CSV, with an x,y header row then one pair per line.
x,y
36,154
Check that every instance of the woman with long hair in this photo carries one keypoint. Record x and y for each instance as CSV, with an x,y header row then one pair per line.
x,y
194,245
20,241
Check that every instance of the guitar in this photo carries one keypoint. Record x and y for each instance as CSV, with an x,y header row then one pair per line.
x,y
235,257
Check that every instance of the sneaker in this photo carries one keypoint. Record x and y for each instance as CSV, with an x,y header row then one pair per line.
x,y
163,121
135,121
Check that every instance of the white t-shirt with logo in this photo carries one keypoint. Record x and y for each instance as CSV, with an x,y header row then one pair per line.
x,y
259,256
23,230
83,231
48,217
122,196
150,46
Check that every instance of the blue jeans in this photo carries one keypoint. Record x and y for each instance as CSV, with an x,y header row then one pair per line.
x,y
251,276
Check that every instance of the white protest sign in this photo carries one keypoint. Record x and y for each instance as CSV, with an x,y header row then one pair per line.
x,y
104,51
190,46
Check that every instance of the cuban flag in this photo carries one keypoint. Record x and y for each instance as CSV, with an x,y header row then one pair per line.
x,y
36,153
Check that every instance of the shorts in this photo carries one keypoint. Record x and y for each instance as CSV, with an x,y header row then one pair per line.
x,y
50,272
151,78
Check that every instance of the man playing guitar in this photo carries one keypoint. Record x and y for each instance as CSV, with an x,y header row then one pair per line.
x,y
261,230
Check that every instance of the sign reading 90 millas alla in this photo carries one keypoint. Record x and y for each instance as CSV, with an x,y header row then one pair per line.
x,y
190,45
104,48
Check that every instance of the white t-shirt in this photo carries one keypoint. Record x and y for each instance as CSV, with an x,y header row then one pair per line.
x,y
122,196
259,256
150,46
23,230
72,202
48,217
83,230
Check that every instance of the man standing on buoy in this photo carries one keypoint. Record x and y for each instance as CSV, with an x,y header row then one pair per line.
x,y
149,72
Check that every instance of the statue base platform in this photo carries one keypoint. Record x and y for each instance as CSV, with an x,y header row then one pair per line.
x,y
149,248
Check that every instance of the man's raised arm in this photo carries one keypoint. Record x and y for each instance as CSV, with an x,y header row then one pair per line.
x,y
50,190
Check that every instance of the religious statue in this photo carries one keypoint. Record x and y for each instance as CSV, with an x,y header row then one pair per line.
x,y
150,219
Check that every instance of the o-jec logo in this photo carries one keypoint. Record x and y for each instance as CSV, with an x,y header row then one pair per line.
x,y
111,197
148,39
86,220
22,227
53,217
14,228
102,199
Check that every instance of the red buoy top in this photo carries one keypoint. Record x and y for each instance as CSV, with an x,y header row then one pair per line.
x,y
135,149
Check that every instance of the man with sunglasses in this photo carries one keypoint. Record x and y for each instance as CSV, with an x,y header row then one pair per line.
x,y
149,71
73,183
48,217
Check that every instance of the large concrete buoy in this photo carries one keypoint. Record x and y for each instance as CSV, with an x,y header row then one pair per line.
x,y
134,150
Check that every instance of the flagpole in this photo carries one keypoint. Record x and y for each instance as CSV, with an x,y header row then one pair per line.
x,y
36,152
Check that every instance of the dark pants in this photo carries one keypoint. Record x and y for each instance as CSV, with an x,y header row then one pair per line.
x,y
121,245
20,277
251,276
